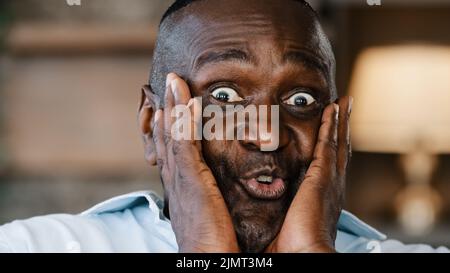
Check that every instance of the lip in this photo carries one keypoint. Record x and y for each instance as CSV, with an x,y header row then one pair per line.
x,y
272,191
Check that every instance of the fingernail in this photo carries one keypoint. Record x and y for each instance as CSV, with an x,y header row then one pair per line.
x,y
336,110
350,105
190,103
174,87
168,80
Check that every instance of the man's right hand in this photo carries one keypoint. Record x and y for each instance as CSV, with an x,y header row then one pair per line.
x,y
199,216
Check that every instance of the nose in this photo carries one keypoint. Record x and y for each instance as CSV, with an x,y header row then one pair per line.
x,y
267,134
258,144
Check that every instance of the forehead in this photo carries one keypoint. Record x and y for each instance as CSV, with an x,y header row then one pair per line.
x,y
280,24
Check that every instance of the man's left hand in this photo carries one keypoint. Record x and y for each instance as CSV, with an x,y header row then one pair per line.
x,y
311,222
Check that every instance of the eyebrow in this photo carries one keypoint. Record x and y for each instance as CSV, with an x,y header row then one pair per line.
x,y
295,56
222,56
307,59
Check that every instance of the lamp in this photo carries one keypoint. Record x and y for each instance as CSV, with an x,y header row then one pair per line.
x,y
402,105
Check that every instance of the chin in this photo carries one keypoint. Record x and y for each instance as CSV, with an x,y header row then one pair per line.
x,y
253,236
256,221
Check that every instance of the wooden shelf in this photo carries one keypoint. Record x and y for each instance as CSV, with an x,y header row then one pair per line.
x,y
51,39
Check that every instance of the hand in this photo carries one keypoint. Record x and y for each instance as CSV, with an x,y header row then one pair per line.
x,y
199,216
310,224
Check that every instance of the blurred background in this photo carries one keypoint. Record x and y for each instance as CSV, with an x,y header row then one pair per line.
x,y
70,79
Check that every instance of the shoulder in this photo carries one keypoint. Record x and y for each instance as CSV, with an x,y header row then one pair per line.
x,y
355,236
134,223
126,223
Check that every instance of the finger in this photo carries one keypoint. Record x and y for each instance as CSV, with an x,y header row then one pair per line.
x,y
180,90
344,149
189,147
195,107
160,146
325,153
169,104
182,96
326,146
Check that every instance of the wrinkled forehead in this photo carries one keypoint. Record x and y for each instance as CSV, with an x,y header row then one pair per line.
x,y
221,23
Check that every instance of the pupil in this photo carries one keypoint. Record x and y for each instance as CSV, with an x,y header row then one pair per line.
x,y
223,96
300,101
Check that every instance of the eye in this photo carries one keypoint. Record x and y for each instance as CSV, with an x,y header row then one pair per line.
x,y
226,94
300,99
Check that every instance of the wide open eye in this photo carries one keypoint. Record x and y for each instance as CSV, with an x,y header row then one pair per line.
x,y
226,94
300,99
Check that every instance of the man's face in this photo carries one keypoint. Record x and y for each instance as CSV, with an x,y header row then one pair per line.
x,y
263,53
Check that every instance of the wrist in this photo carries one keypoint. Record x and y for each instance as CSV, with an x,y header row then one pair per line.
x,y
197,247
207,249
319,248
316,247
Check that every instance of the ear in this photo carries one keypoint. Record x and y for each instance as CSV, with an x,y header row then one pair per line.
x,y
147,107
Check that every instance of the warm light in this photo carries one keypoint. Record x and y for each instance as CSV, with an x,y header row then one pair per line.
x,y
402,99
418,207
402,105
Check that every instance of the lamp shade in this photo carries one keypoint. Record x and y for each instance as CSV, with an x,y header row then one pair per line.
x,y
402,99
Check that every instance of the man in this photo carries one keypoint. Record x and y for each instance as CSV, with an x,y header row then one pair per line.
x,y
231,195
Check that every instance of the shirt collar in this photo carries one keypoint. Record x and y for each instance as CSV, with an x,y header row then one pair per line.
x,y
347,223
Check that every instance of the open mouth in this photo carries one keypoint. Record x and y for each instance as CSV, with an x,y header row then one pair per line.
x,y
265,184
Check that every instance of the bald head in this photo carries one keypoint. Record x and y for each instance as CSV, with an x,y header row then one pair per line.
x,y
188,23
180,4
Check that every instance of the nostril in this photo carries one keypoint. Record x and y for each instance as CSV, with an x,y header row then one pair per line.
x,y
250,144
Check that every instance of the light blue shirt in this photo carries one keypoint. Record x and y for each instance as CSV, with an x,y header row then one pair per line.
x,y
135,223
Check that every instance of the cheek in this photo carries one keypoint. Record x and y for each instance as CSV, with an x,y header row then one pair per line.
x,y
305,137
213,151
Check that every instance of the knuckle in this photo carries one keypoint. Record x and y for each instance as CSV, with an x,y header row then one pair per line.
x,y
157,139
333,145
329,143
161,163
177,148
167,138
